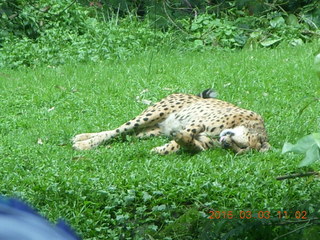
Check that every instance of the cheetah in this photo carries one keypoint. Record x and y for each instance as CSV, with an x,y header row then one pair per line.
x,y
193,122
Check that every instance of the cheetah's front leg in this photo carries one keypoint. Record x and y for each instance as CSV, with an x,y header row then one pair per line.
x,y
83,136
88,141
168,148
194,138
145,124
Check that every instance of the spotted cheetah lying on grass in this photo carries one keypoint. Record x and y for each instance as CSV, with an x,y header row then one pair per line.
x,y
195,123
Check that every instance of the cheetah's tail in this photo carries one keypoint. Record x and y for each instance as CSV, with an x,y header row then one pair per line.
x,y
208,93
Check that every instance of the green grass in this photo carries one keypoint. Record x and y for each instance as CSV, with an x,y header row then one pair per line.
x,y
125,192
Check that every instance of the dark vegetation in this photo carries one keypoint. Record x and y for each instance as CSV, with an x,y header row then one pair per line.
x,y
46,32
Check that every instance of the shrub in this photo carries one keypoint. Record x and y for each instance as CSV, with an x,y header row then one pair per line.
x,y
248,31
55,35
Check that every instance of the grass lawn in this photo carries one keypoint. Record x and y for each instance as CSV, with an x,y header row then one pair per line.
x,y
122,191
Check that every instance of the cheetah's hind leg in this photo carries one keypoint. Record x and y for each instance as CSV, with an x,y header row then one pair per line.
x,y
149,132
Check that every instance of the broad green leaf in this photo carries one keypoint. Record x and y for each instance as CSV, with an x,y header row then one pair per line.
x,y
287,147
198,43
312,155
296,42
316,137
159,208
277,22
146,196
303,145
317,64
269,42
195,27
251,43
309,145
256,34
153,227
292,20
317,59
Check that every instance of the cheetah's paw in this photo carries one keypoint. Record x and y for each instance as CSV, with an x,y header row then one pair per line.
x,y
82,137
84,145
159,150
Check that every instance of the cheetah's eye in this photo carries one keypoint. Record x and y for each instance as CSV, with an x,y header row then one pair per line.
x,y
228,133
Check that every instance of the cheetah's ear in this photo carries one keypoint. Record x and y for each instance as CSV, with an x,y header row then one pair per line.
x,y
208,93
265,147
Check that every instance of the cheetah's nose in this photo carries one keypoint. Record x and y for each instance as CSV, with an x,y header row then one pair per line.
x,y
222,139
224,143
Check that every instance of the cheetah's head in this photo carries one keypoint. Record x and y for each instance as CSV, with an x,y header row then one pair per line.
x,y
235,138
240,139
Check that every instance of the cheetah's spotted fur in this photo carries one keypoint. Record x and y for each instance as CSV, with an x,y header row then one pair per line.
x,y
194,123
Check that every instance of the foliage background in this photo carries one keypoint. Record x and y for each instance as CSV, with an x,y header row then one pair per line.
x,y
49,32
76,62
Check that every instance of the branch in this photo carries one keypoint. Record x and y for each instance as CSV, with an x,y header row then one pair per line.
x,y
310,32
46,9
73,2
170,19
188,3
295,175
300,221
293,231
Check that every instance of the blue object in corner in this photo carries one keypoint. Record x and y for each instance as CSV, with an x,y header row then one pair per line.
x,y
19,221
